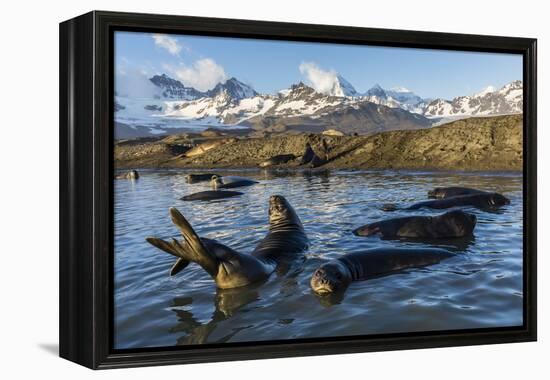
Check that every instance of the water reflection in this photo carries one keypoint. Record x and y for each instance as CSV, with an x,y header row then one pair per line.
x,y
226,303
481,287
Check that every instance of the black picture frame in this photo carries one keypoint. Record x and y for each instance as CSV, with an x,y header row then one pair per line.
x,y
86,188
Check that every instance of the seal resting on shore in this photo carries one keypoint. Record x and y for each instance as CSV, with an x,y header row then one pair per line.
x,y
454,191
277,160
230,182
202,177
132,174
481,201
336,275
285,242
206,146
210,195
452,224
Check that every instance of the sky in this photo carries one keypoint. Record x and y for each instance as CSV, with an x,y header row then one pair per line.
x,y
270,66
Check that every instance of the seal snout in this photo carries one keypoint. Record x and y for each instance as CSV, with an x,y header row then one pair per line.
x,y
325,281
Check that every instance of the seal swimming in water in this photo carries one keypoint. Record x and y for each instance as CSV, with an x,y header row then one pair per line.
x,y
202,177
210,195
447,192
452,224
336,275
284,243
481,201
230,182
277,160
132,174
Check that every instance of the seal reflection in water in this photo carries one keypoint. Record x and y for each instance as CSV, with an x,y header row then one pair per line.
x,y
285,242
452,224
336,275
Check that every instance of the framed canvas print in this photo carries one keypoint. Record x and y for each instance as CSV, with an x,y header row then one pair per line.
x,y
238,189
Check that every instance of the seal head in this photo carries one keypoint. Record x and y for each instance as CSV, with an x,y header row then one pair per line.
x,y
331,277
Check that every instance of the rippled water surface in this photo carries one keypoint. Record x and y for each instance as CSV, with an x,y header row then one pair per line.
x,y
480,287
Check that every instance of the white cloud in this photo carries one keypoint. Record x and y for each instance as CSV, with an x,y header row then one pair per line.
x,y
134,83
169,43
321,80
203,75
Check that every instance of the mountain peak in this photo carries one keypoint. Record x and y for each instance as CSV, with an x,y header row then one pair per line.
x,y
485,91
342,87
376,90
173,88
234,88
400,90
515,85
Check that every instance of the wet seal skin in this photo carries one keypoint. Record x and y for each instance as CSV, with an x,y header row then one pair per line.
x,y
481,201
454,191
199,177
230,182
210,195
336,275
284,243
452,224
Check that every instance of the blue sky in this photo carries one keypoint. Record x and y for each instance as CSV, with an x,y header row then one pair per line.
x,y
270,66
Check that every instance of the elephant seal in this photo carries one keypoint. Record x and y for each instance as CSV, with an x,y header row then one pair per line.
x,y
452,224
132,174
447,192
481,201
277,160
310,159
285,242
210,195
230,182
335,275
202,177
206,146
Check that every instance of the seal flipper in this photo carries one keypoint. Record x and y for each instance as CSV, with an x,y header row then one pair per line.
x,y
180,264
193,251
195,247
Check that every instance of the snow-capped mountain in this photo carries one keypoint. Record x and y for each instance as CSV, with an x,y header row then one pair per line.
x,y
506,100
236,104
174,89
234,88
342,87
396,98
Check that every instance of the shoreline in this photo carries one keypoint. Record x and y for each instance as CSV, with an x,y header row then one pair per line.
x,y
488,144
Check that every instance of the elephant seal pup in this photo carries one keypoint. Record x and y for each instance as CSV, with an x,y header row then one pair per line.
x,y
335,275
132,174
285,242
230,182
447,192
481,201
210,195
277,160
202,177
452,224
